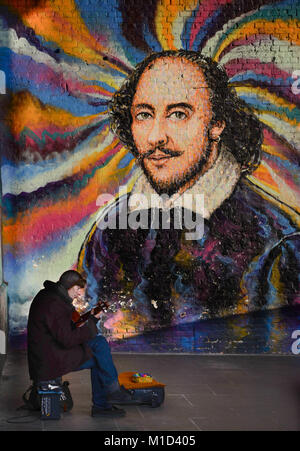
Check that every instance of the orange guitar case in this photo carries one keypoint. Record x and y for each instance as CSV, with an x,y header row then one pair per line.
x,y
144,393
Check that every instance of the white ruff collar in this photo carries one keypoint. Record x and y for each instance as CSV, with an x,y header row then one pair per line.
x,y
204,197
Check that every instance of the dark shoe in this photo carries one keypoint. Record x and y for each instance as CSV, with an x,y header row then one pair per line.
x,y
121,397
111,412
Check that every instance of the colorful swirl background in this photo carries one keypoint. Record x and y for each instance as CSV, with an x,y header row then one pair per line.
x,y
62,63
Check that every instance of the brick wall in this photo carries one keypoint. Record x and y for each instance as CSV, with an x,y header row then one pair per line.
x,y
62,61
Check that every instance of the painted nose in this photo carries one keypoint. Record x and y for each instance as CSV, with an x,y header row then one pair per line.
x,y
157,136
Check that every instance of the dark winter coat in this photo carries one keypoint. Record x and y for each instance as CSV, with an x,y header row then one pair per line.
x,y
55,346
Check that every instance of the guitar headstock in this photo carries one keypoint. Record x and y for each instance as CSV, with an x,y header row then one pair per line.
x,y
112,307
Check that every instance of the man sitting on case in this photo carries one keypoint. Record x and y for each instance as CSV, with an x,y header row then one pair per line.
x,y
56,347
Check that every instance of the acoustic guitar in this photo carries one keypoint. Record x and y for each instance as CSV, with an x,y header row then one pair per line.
x,y
78,320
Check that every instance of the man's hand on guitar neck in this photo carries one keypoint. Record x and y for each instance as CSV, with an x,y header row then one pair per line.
x,y
97,314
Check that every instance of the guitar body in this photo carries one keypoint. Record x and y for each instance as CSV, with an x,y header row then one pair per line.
x,y
78,320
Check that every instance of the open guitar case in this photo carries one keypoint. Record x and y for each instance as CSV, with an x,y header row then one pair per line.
x,y
144,393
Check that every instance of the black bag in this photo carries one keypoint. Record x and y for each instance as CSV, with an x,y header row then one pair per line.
x,y
33,400
152,396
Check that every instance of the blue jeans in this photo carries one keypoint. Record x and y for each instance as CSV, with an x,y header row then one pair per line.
x,y
104,376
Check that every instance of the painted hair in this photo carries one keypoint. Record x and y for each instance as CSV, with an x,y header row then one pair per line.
x,y
242,135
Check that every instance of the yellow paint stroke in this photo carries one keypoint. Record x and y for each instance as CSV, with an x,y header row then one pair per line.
x,y
239,332
263,175
260,112
166,13
287,194
277,331
80,267
272,150
265,94
276,282
27,111
278,28
183,258
60,22
104,77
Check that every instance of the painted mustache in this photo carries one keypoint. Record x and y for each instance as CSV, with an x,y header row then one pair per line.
x,y
167,152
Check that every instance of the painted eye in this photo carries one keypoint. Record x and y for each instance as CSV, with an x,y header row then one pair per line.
x,y
143,116
178,115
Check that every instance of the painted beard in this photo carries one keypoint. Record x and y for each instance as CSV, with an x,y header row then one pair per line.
x,y
173,184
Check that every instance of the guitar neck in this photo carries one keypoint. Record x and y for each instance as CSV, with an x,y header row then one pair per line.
x,y
97,309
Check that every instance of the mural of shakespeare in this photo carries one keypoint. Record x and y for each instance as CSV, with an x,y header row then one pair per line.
x,y
154,146
193,238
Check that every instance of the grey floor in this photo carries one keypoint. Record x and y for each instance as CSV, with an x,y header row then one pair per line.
x,y
203,393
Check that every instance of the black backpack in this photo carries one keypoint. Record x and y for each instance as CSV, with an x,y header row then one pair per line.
x,y
32,399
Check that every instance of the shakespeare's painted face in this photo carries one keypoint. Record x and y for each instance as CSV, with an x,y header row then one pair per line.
x,y
171,116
